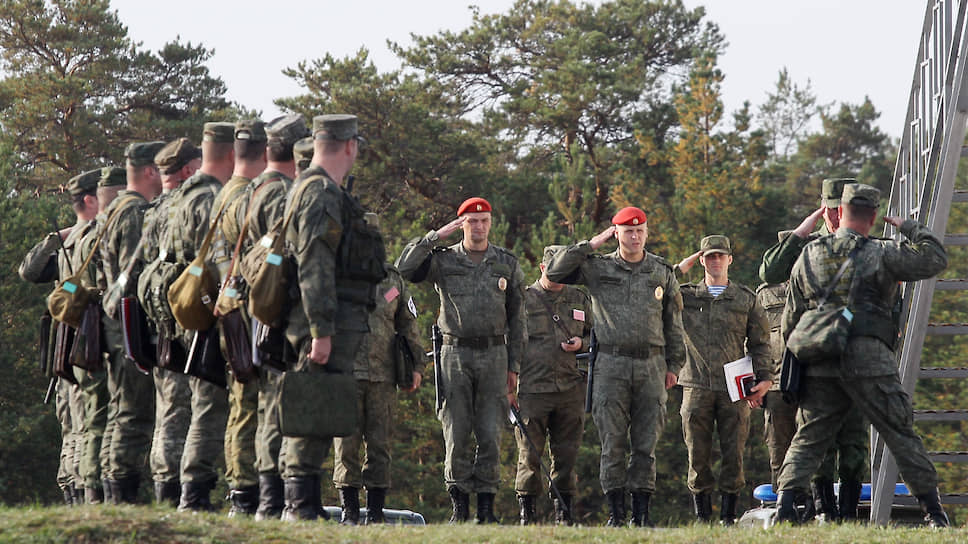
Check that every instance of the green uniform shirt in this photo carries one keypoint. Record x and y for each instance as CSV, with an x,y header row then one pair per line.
x,y
120,241
553,317
773,298
267,204
395,312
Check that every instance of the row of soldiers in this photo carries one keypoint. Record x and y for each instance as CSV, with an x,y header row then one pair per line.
x,y
203,211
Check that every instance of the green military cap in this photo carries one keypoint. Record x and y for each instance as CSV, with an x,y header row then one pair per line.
x,y
303,152
339,126
832,189
715,243
220,133
287,129
859,194
112,176
252,130
85,183
549,253
142,153
176,154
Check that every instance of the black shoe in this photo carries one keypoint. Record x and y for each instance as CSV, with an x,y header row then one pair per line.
x,y
702,505
78,493
640,510
112,491
68,496
616,508
933,512
245,501
271,497
847,499
824,501
528,514
106,491
727,509
168,492
462,507
128,486
563,510
485,509
349,500
786,510
195,497
375,501
93,495
301,498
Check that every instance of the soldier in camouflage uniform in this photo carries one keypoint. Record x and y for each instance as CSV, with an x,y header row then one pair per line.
x,y
550,392
637,309
724,323
131,409
848,454
865,377
395,313
328,316
481,290
177,161
303,154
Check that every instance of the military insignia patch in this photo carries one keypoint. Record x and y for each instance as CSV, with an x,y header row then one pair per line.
x,y
502,284
412,307
391,294
659,292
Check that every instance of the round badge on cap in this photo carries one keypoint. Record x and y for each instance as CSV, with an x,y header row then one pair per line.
x,y
472,205
629,216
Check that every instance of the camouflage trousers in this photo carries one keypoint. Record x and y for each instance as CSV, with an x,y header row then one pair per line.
x,y
824,404
93,388
205,440
173,413
628,407
67,406
130,412
558,419
847,458
268,435
374,409
305,456
703,410
240,434
475,401
779,426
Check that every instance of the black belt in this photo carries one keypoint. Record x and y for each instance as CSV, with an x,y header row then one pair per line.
x,y
634,353
475,342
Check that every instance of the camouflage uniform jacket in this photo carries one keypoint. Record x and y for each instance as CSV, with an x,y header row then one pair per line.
x,y
154,225
47,253
475,300
546,368
778,259
395,312
189,215
223,244
875,272
265,207
634,306
773,298
723,329
120,241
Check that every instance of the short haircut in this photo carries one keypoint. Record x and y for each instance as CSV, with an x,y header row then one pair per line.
x,y
248,150
332,146
78,202
863,213
216,151
276,151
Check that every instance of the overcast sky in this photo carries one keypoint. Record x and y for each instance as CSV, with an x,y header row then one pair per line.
x,y
847,49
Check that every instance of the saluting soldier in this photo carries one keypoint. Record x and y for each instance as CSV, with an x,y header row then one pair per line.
x,y
637,310
481,290
550,392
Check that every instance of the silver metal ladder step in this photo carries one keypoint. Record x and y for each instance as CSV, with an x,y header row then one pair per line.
x,y
955,240
941,415
946,329
960,195
943,372
951,285
946,498
949,457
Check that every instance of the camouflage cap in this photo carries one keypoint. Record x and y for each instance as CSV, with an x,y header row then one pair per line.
x,y
220,133
302,151
859,194
549,253
715,243
85,183
832,189
112,176
176,154
287,129
252,130
338,126
142,153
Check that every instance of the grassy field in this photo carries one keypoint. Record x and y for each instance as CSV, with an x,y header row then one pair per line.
x,y
150,525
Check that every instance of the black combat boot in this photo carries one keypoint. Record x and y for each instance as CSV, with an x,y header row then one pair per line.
x,y
727,509
78,493
112,490
485,508
168,492
349,500
244,501
195,497
375,501
848,497
128,486
640,510
563,510
616,508
528,514
271,499
462,507
824,500
93,495
702,504
68,496
106,491
804,500
301,498
786,510
933,512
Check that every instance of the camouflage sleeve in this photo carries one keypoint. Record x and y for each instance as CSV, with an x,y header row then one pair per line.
x,y
758,341
269,204
416,261
517,319
921,256
778,259
796,302
567,266
317,234
128,229
586,333
675,348
405,323
36,266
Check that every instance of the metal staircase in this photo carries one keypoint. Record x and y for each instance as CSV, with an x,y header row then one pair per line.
x,y
924,178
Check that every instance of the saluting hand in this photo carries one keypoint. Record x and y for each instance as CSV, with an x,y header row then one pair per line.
x,y
808,224
450,228
689,261
599,239
894,220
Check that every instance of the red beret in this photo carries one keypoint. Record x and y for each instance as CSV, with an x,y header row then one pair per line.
x,y
472,205
629,216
